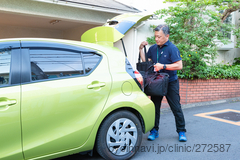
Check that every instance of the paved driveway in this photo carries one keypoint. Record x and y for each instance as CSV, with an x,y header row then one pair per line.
x,y
213,132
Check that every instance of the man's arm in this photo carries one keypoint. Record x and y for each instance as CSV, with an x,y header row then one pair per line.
x,y
142,54
175,66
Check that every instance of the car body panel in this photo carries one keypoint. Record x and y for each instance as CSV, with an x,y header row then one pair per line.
x,y
54,123
137,100
117,100
10,101
61,113
10,126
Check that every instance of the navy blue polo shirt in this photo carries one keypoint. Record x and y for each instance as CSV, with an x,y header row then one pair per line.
x,y
167,54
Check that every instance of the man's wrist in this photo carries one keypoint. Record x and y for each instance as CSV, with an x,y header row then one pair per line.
x,y
164,66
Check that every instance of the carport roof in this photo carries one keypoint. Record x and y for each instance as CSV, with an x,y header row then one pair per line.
x,y
71,13
105,4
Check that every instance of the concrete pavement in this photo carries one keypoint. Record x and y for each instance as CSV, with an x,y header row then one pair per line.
x,y
209,137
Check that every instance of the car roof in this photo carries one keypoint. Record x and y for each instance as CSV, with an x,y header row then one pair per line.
x,y
90,46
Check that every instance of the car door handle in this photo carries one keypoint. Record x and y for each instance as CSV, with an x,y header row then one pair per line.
x,y
96,85
7,102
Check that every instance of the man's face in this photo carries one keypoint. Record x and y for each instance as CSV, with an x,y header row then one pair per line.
x,y
160,37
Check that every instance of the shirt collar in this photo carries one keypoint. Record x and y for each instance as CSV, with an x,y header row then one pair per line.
x,y
165,44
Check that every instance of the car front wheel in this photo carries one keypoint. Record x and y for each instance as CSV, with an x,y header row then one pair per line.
x,y
120,136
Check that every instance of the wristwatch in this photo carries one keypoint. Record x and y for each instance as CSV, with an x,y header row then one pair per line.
x,y
164,66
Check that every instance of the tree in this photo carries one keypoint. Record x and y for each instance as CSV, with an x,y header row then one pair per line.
x,y
228,6
194,25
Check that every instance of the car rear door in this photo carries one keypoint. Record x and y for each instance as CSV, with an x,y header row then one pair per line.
x,y
115,29
63,92
10,102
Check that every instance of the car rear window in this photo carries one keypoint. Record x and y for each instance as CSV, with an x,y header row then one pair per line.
x,y
90,61
50,63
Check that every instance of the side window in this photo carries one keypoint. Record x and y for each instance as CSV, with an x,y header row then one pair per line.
x,y
91,60
228,20
5,61
47,64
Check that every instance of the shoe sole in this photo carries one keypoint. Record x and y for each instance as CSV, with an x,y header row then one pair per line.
x,y
182,140
153,139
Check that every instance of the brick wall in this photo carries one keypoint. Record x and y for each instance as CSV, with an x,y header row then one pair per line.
x,y
206,90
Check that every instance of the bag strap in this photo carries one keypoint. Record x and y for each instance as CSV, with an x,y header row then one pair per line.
x,y
145,53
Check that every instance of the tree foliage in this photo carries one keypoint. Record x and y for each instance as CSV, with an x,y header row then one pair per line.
x,y
228,6
195,25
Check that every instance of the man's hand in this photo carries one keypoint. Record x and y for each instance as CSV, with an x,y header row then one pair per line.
x,y
144,43
158,66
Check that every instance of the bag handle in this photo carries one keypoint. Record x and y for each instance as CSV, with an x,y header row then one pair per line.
x,y
146,73
153,76
150,81
145,52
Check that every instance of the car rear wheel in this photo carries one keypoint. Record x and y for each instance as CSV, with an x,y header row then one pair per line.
x,y
120,136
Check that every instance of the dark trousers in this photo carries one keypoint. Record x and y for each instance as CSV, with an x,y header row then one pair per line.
x,y
173,99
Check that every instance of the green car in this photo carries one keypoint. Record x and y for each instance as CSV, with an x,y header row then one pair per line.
x,y
60,97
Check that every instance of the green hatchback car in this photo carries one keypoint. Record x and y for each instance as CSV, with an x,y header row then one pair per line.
x,y
60,97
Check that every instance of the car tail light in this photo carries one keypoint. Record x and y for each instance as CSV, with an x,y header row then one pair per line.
x,y
134,74
139,79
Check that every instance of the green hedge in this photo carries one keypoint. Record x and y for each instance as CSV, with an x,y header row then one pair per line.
x,y
214,72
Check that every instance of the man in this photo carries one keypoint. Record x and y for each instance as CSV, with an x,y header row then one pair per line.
x,y
166,58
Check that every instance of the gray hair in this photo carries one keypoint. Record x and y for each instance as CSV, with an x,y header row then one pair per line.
x,y
164,28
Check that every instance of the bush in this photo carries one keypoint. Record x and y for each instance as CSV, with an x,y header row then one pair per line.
x,y
237,61
214,72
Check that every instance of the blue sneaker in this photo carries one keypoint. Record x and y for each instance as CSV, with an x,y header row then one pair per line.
x,y
153,134
182,137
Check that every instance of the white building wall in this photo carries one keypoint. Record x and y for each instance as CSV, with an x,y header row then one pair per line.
x,y
20,31
24,32
226,56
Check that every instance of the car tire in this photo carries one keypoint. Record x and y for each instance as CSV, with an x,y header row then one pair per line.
x,y
119,136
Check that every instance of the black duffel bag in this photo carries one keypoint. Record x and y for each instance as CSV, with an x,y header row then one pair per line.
x,y
155,84
143,66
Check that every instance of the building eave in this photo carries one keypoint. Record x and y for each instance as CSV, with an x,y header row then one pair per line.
x,y
89,6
